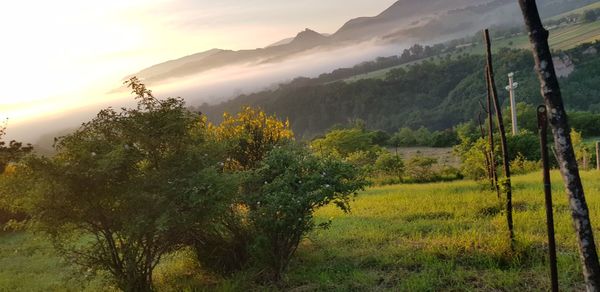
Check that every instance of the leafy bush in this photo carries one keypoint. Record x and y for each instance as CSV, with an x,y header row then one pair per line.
x,y
363,160
520,165
525,144
420,168
344,142
390,164
448,172
473,160
282,195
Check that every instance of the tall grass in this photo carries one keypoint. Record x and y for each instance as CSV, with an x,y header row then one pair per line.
x,y
430,237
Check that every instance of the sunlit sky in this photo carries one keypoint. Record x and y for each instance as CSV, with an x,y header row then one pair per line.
x,y
64,54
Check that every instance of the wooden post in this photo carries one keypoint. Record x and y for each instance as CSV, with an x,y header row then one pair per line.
x,y
485,152
598,155
543,131
491,153
550,89
505,162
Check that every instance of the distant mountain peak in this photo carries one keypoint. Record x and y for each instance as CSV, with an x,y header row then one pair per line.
x,y
307,39
309,35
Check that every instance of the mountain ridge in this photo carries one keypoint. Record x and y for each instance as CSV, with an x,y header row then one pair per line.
x,y
403,21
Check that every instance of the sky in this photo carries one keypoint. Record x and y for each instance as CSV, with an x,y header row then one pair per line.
x,y
60,55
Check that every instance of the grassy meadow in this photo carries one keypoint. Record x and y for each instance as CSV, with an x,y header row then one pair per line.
x,y
415,237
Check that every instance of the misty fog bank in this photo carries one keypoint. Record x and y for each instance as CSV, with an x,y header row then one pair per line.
x,y
213,86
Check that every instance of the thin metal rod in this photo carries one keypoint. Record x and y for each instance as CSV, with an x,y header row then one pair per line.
x,y
543,130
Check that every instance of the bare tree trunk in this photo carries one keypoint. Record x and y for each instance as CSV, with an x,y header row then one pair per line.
x,y
505,162
550,90
491,154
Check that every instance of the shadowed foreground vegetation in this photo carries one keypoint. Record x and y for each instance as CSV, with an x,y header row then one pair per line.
x,y
440,236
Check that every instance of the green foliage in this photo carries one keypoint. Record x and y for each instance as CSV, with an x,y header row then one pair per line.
x,y
282,196
344,142
520,165
525,144
473,164
407,137
10,155
590,15
390,164
449,239
404,137
585,122
363,160
437,95
380,138
420,168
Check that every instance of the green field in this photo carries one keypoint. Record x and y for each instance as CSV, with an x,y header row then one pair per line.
x,y
428,237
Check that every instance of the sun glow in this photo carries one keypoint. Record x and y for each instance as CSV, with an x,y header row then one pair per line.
x,y
62,54
67,54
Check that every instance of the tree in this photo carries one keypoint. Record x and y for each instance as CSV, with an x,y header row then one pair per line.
x,y
404,137
423,137
126,187
344,142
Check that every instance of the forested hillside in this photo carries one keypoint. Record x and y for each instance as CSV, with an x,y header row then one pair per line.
x,y
438,93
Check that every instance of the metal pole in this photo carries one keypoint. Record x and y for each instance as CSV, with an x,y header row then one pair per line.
x,y
513,105
543,129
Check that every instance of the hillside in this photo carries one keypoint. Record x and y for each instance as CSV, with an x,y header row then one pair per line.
x,y
436,94
441,236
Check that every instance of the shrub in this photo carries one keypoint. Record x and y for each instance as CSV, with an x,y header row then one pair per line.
x,y
420,168
473,160
343,142
363,160
282,195
390,164
520,165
